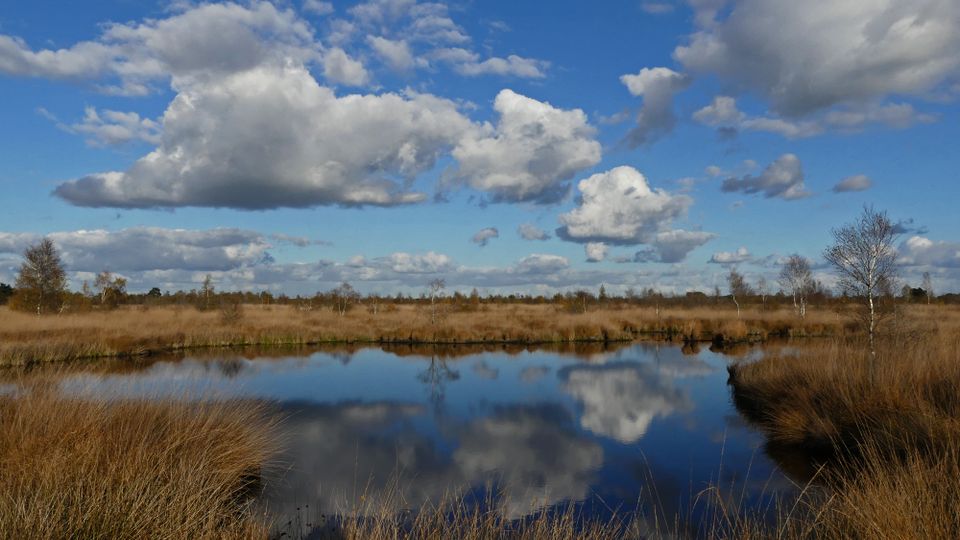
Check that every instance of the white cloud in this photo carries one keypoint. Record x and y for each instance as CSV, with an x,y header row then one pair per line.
x,y
723,113
431,24
318,7
673,246
109,128
426,263
141,249
921,251
540,263
840,52
468,63
783,178
338,67
618,206
596,251
512,65
483,236
381,12
657,8
395,54
273,137
206,42
531,152
858,182
657,86
741,255
528,231
298,241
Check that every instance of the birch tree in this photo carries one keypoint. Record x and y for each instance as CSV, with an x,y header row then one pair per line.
x,y
436,288
344,296
738,287
865,260
928,286
42,280
797,279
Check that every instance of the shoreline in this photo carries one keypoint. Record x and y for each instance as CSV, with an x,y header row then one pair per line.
x,y
136,332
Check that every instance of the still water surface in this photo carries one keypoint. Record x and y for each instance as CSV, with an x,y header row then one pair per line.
x,y
606,430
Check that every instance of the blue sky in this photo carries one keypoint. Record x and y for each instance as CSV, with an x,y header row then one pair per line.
x,y
292,145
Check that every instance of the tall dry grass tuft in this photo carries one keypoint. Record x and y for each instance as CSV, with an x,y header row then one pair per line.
x,y
82,468
454,519
886,431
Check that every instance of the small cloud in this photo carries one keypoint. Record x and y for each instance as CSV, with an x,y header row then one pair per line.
x,y
657,8
298,241
483,236
782,179
596,251
317,7
615,118
906,226
528,231
741,255
859,182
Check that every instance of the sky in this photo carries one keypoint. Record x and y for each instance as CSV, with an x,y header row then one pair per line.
x,y
509,146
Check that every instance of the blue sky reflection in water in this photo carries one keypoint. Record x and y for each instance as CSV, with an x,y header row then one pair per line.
x,y
543,428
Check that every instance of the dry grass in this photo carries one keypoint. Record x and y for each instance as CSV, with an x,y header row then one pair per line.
x,y
453,518
82,468
132,331
886,430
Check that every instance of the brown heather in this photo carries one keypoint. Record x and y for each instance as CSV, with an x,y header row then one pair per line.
x,y
887,433
131,331
73,468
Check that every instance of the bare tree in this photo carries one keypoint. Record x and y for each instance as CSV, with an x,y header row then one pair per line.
x,y
928,286
344,296
762,291
42,280
373,303
206,292
111,289
738,287
797,279
436,288
864,257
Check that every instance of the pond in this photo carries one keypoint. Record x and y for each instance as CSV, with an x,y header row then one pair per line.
x,y
607,429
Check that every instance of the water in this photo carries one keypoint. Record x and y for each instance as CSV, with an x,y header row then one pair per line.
x,y
604,429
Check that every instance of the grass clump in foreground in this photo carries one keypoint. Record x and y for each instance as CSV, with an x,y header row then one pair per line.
x,y
886,431
81,468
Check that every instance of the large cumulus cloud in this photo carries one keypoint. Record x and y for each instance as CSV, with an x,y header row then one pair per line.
x,y
272,136
531,152
619,207
806,57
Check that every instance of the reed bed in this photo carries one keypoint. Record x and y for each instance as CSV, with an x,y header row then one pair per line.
x,y
131,331
75,467
884,430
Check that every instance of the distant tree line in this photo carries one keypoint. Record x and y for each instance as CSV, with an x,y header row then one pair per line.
x,y
862,255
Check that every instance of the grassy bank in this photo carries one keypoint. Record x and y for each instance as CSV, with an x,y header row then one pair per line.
x,y
886,430
26,338
73,468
